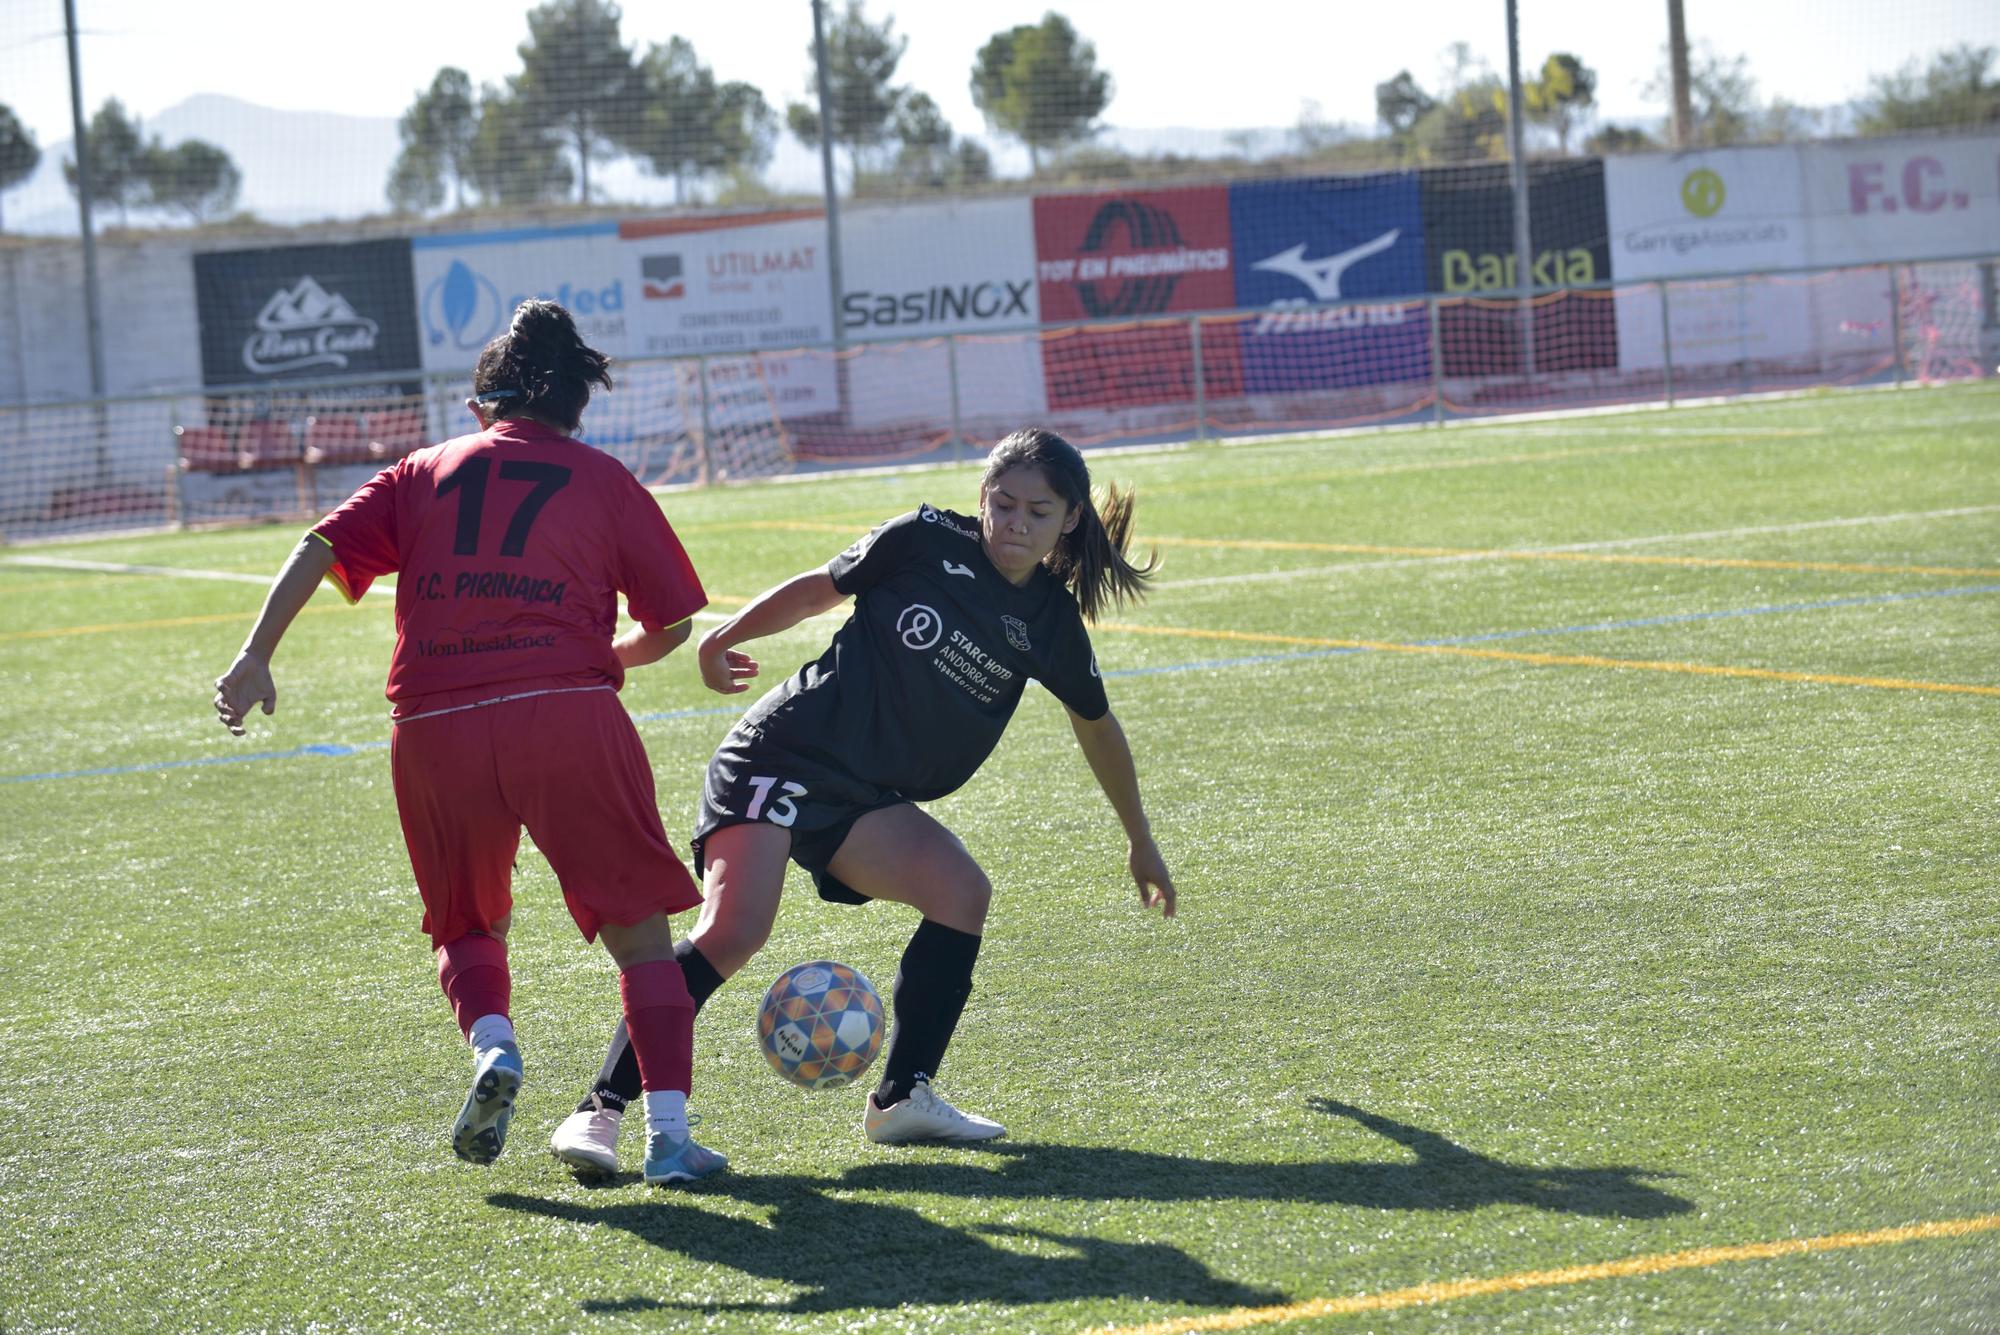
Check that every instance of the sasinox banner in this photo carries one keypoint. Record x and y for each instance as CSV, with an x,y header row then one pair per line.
x,y
914,271
1469,238
305,312
1133,255
1301,245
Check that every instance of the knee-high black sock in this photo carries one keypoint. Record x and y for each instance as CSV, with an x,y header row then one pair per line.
x,y
618,1082
932,984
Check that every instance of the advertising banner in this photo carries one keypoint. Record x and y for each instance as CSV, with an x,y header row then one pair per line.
x,y
305,312
1129,256
648,288
1903,199
1714,211
918,271
1469,235
1301,244
468,284
958,267
708,285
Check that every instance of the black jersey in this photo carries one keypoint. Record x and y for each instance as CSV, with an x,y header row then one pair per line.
x,y
920,681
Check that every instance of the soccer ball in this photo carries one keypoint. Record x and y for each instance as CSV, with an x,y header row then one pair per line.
x,y
820,1024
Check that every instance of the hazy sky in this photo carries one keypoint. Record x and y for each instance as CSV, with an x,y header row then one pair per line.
x,y
1237,63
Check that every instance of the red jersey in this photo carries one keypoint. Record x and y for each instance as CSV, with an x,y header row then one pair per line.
x,y
510,549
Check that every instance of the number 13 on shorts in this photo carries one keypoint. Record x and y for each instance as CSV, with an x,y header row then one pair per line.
x,y
780,812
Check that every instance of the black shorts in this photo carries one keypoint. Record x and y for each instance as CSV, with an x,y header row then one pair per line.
x,y
752,778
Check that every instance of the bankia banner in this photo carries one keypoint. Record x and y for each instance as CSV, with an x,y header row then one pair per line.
x,y
1469,234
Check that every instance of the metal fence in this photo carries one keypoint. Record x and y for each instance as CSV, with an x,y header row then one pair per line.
x,y
215,454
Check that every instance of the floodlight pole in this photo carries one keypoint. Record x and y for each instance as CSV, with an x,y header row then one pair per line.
x,y
826,170
1524,252
93,323
1677,65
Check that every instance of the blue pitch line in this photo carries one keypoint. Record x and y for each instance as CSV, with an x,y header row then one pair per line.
x,y
310,749
1205,665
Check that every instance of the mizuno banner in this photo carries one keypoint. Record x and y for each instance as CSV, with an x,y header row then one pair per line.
x,y
1306,250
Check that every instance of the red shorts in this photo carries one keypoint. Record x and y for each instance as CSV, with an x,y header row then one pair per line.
x,y
569,766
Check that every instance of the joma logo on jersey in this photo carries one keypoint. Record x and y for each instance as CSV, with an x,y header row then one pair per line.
x,y
1017,632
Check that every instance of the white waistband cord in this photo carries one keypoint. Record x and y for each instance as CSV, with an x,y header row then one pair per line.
x,y
499,700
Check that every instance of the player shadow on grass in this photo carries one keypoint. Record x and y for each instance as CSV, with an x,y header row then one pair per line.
x,y
1444,1176
846,1254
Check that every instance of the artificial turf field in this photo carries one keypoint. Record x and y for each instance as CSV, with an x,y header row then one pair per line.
x,y
1587,835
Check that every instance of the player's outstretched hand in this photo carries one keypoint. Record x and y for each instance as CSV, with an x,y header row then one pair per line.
x,y
1149,871
726,671
247,682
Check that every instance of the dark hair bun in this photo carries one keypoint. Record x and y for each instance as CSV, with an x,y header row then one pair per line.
x,y
545,359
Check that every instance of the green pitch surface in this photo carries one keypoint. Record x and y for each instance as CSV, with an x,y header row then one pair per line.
x,y
1586,834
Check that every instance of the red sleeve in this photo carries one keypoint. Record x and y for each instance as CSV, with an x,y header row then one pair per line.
x,y
362,533
659,583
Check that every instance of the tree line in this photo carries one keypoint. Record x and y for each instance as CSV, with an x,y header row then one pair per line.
x,y
128,170
583,97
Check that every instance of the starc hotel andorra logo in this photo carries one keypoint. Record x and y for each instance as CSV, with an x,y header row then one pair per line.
x,y
305,325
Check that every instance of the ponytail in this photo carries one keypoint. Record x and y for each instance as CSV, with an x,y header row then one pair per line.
x,y
1089,559
540,367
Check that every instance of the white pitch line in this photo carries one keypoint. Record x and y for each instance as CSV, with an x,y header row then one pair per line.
x,y
1800,527
225,576
1402,562
118,568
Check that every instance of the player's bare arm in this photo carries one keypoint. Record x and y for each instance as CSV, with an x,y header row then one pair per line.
x,y
1110,758
248,680
726,669
643,644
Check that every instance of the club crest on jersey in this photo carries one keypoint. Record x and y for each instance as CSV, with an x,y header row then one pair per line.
x,y
1017,632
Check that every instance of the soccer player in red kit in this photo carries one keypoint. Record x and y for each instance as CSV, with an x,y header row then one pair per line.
x,y
510,548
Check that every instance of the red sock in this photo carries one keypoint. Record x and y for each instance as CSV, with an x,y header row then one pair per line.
x,y
659,1016
473,973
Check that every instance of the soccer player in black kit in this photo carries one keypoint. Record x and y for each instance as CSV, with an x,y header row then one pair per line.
x,y
952,615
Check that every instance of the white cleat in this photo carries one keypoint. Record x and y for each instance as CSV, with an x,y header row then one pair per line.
x,y
925,1116
588,1140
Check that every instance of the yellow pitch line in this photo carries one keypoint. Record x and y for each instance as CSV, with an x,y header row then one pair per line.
x,y
1562,660
1608,558
1422,1294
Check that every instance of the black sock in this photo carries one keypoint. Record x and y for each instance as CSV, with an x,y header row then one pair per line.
x,y
932,983
702,979
618,1083
618,1080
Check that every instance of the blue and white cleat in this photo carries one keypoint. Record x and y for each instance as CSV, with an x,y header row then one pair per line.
x,y
480,1132
679,1159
